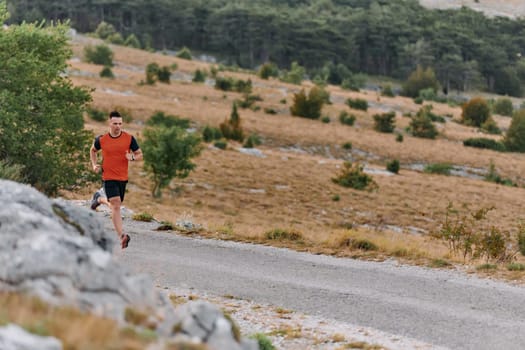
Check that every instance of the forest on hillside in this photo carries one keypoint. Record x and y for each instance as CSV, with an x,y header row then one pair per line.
x,y
465,49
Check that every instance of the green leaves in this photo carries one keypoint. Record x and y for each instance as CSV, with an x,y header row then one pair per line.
x,y
42,130
167,154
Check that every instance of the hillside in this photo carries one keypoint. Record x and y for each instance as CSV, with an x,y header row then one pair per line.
x,y
286,183
491,8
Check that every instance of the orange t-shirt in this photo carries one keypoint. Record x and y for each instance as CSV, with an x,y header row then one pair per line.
x,y
114,161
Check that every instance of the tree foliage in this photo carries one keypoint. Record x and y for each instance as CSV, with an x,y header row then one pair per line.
x,y
41,125
515,138
475,112
308,106
167,155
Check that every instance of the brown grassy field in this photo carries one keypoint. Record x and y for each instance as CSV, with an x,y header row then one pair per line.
x,y
242,196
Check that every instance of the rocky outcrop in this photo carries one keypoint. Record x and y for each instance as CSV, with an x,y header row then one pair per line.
x,y
62,254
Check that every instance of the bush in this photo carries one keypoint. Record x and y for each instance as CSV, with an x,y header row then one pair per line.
x,y
481,142
399,138
232,129
347,145
385,122
184,53
393,166
419,80
475,112
159,118
100,54
104,30
268,70
421,124
164,74
386,90
346,118
263,341
325,119
503,106
308,106
490,127
514,140
106,72
252,141
199,76
231,84
220,144
132,41
438,168
116,39
152,70
357,103
353,176
210,134
295,75
96,114
493,176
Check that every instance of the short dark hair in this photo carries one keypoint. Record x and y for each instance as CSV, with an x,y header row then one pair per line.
x,y
114,114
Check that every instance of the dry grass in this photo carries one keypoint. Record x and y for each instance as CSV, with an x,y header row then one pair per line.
x,y
73,328
239,196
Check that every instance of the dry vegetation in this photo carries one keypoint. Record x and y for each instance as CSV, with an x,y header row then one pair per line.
x,y
240,196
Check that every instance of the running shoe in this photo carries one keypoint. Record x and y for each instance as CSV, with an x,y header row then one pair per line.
x,y
124,241
94,201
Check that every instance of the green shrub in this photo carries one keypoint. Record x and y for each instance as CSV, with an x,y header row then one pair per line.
x,y
357,103
353,176
115,38
231,128
269,110
295,75
210,134
482,142
521,238
336,198
100,54
97,115
419,80
421,124
354,82
104,30
252,141
268,70
475,112
386,90
308,106
385,122
152,70
132,41
263,341
159,118
248,100
503,106
106,72
514,140
428,94
490,127
393,166
516,267
346,118
347,145
199,76
184,53
494,176
399,137
231,84
220,144
164,74
325,119
438,168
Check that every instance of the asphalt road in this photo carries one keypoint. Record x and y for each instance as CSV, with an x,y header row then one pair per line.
x,y
444,308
